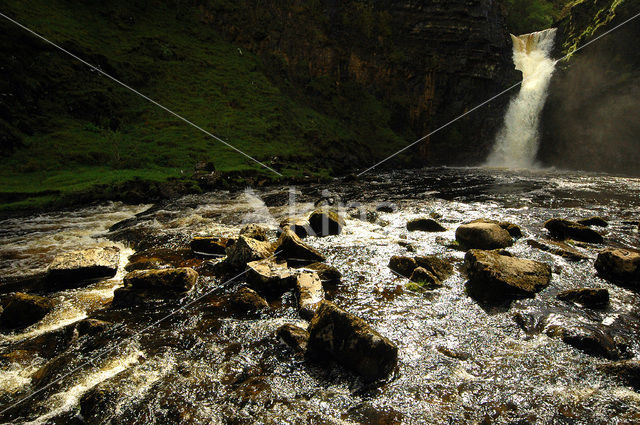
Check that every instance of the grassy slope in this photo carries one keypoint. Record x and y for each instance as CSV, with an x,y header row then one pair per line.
x,y
178,62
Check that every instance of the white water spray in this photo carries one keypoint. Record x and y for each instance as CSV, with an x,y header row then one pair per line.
x,y
516,145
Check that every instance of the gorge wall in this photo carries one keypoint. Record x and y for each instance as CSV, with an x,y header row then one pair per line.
x,y
427,62
591,120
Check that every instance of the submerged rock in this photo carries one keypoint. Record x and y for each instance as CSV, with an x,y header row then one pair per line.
x,y
254,231
290,247
294,336
246,250
74,268
210,245
246,301
592,339
142,285
619,264
424,279
270,276
351,342
309,292
566,229
558,248
627,370
588,297
496,276
403,266
593,221
425,225
325,222
439,267
22,310
481,235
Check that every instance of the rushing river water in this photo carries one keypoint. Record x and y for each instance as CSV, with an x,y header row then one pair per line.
x,y
459,362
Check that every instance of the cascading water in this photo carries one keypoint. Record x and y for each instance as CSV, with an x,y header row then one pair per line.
x,y
517,142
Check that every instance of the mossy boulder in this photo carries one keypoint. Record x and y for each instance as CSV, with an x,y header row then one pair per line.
x,y
325,222
588,297
291,248
565,229
246,250
619,265
74,268
269,276
425,225
254,231
210,245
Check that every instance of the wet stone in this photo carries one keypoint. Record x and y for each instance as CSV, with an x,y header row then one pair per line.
x,y
513,229
299,226
496,276
593,221
439,267
403,266
270,276
325,222
425,225
143,285
246,250
592,339
619,265
290,247
246,301
481,235
327,273
23,310
294,336
560,249
76,267
351,342
424,279
628,371
210,245
309,292
588,297
566,229
254,231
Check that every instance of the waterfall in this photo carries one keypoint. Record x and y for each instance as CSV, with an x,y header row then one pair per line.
x,y
516,144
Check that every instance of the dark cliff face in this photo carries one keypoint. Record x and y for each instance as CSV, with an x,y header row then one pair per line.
x,y
591,120
428,62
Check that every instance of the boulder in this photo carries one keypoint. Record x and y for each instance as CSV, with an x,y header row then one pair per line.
x,y
290,247
254,231
270,276
565,229
327,273
210,245
592,339
483,236
593,221
627,370
440,268
326,222
513,229
588,297
143,285
560,249
403,266
179,280
299,226
73,268
351,342
309,292
160,258
246,301
23,310
619,264
425,225
246,250
496,276
386,208
294,336
425,279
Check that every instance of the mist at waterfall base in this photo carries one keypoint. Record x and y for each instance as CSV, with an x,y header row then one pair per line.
x,y
517,142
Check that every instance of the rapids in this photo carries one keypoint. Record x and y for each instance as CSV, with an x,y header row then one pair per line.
x,y
459,362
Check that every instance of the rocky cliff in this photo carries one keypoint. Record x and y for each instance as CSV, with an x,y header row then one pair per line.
x,y
591,118
427,62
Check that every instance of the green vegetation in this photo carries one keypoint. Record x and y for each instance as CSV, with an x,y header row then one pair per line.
x,y
525,16
66,129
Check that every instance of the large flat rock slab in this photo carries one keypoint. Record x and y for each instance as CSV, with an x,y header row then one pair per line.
x,y
73,268
482,235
